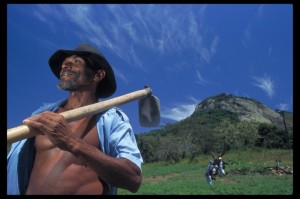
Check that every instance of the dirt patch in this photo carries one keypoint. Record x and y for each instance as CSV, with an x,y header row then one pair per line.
x,y
161,177
277,170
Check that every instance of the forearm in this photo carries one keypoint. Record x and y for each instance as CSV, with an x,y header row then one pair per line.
x,y
118,172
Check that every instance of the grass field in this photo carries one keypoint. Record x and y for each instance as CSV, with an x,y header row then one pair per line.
x,y
187,178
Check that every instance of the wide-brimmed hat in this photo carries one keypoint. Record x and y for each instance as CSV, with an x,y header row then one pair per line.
x,y
107,86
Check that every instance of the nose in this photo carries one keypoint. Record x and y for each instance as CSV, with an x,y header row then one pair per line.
x,y
68,63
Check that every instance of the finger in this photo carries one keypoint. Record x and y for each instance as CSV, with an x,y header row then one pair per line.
x,y
54,116
50,119
37,125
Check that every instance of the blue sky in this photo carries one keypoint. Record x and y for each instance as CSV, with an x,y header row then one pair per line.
x,y
185,53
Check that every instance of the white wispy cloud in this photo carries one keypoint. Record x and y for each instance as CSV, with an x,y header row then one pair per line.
x,y
214,44
200,79
120,75
40,17
283,107
194,100
82,15
181,110
42,13
270,51
286,106
247,35
171,27
265,83
130,30
257,16
205,55
260,12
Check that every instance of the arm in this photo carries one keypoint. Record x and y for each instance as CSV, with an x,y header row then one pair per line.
x,y
118,172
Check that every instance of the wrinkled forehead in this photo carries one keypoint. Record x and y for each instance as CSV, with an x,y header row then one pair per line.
x,y
85,60
82,60
74,57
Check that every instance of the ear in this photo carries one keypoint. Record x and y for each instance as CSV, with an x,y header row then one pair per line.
x,y
99,75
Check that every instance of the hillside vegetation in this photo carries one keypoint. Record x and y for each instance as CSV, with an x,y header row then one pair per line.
x,y
222,122
248,172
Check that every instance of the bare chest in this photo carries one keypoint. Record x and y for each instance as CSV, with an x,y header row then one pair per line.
x,y
54,169
84,128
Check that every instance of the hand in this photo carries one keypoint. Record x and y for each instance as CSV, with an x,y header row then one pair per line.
x,y
54,126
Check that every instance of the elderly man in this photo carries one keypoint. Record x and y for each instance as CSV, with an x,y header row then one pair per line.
x,y
93,155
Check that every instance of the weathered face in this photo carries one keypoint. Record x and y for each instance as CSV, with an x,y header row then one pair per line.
x,y
75,75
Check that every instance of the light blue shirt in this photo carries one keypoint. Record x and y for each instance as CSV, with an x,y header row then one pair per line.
x,y
221,164
115,134
209,169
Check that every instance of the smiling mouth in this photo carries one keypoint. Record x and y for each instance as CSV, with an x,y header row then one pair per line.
x,y
68,73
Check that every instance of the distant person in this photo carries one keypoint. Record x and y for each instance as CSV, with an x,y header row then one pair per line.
x,y
221,167
210,172
90,156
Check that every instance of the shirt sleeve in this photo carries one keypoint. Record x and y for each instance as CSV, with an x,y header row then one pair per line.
x,y
117,137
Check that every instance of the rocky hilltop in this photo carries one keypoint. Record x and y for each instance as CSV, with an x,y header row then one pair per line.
x,y
247,109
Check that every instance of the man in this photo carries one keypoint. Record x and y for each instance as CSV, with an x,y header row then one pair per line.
x,y
93,155
221,171
209,172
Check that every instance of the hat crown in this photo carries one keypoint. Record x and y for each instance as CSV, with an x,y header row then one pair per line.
x,y
88,48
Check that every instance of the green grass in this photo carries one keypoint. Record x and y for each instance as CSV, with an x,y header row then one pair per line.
x,y
187,178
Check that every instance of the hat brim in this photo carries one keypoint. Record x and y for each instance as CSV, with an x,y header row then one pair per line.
x,y
106,87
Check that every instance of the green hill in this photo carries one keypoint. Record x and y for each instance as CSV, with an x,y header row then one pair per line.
x,y
224,119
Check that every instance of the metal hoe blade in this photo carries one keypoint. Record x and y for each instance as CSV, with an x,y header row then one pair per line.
x,y
149,111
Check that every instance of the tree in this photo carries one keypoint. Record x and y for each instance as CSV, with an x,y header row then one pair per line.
x,y
227,132
272,137
247,132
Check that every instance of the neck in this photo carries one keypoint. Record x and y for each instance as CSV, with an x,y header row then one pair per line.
x,y
77,100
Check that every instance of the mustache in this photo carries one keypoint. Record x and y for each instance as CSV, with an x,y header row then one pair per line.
x,y
75,73
68,85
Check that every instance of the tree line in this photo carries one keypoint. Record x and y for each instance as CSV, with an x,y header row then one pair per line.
x,y
193,137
